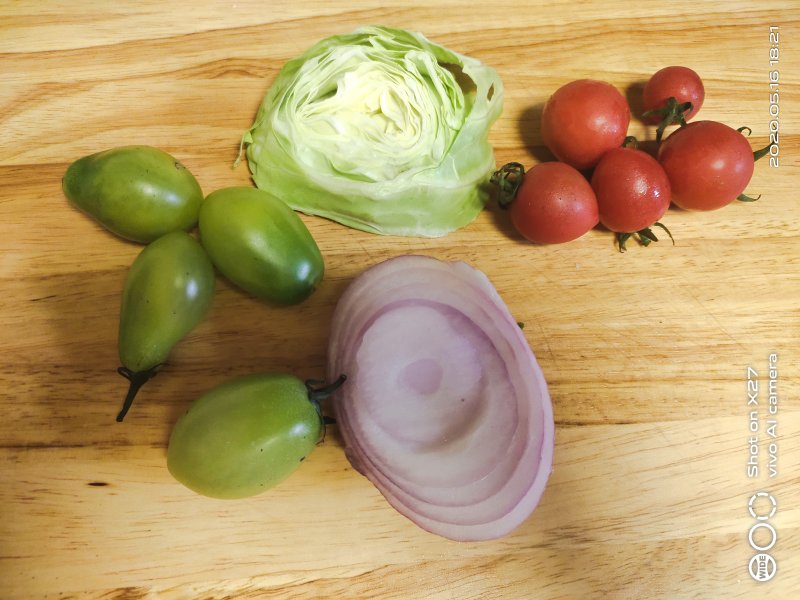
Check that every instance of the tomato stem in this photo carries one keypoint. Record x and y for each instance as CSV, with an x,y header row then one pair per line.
x,y
630,141
507,178
762,152
756,154
317,394
746,198
137,379
644,236
664,227
672,113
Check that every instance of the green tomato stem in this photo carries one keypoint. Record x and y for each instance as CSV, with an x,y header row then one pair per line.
x,y
672,113
137,379
317,394
644,236
762,152
507,178
630,142
757,154
746,198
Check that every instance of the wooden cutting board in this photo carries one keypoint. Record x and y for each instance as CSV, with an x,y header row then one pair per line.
x,y
647,353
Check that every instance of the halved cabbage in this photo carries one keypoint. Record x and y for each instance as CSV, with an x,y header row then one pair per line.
x,y
381,130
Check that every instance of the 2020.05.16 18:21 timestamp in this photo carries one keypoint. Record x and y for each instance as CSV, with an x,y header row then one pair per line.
x,y
774,97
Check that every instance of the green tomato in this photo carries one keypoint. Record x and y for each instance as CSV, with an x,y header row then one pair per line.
x,y
137,192
260,244
246,435
167,292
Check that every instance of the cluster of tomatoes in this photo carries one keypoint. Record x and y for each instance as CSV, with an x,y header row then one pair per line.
x,y
602,177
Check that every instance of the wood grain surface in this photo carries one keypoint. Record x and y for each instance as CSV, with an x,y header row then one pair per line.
x,y
646,353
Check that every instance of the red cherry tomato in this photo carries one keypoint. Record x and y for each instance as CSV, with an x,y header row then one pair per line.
x,y
680,83
708,164
554,204
632,190
584,119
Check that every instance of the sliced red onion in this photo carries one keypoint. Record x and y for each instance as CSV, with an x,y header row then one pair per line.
x,y
445,409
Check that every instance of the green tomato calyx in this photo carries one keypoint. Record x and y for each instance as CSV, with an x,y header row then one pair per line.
x,y
630,142
318,391
644,236
757,154
746,198
672,113
507,180
137,379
